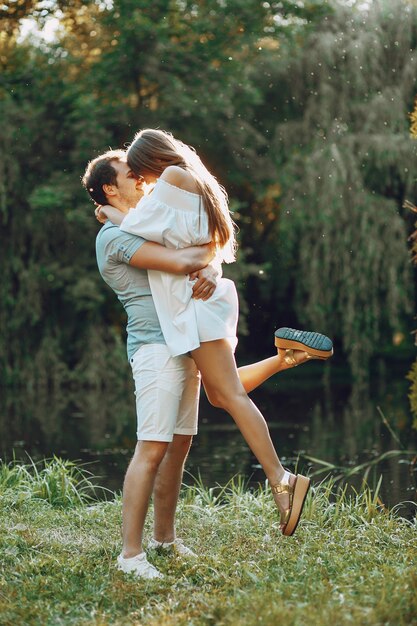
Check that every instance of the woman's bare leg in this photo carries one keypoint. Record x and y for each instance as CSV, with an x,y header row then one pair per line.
x,y
168,479
254,374
216,362
169,476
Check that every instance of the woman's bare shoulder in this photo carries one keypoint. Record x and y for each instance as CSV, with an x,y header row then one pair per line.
x,y
179,177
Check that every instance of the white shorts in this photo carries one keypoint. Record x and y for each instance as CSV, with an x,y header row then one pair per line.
x,y
167,391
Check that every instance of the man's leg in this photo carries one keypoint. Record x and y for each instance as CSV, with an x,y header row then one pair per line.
x,y
137,489
167,488
159,380
169,477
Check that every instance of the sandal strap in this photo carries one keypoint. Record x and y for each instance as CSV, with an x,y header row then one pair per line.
x,y
285,516
289,358
283,486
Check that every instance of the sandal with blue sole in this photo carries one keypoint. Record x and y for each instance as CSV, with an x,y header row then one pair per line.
x,y
316,346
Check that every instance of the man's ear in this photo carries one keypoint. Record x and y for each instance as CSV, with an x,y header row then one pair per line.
x,y
109,190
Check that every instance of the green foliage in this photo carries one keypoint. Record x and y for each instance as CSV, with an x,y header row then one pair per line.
x,y
343,156
344,234
412,376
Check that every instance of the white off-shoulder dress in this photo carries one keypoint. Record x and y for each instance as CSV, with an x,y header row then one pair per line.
x,y
177,219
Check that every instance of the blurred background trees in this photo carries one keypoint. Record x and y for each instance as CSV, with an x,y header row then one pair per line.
x,y
302,110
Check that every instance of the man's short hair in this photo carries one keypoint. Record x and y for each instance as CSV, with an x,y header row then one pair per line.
x,y
99,172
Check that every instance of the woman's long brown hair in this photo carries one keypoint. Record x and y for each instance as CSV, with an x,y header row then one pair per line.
x,y
154,150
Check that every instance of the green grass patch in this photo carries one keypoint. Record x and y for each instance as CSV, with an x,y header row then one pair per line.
x,y
350,561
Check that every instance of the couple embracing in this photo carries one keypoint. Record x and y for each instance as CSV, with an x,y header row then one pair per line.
x,y
167,229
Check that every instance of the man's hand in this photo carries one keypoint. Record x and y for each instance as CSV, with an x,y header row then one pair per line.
x,y
205,284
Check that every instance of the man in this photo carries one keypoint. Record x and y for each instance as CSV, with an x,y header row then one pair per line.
x,y
166,388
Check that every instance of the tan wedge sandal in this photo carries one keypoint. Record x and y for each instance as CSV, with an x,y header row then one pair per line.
x,y
297,494
316,346
291,361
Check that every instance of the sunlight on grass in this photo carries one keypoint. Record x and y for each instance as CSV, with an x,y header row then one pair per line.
x,y
351,560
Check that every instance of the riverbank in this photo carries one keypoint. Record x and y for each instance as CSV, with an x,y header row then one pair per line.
x,y
350,561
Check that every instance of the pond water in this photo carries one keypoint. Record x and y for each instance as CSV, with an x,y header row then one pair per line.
x,y
312,419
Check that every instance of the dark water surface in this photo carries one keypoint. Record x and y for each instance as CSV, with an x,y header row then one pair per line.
x,y
309,417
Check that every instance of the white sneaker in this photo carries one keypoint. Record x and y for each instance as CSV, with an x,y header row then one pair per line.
x,y
138,565
175,546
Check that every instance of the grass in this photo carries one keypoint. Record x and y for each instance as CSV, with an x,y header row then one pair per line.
x,y
350,562
57,481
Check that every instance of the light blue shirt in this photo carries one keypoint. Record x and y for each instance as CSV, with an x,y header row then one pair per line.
x,y
114,249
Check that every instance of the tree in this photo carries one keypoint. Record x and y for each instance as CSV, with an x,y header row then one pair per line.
x,y
412,375
343,161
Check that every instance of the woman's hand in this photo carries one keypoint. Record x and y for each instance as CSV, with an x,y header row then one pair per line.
x,y
100,216
109,212
206,282
208,250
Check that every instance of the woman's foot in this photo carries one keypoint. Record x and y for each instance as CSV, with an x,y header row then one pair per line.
x,y
291,358
289,495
